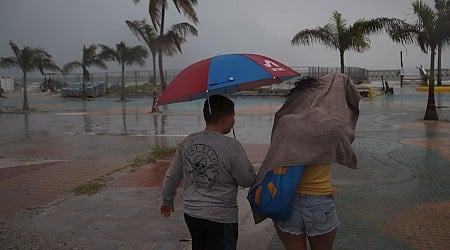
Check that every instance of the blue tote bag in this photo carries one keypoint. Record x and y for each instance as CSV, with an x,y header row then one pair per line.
x,y
274,196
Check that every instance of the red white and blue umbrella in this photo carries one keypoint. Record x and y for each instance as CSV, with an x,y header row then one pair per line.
x,y
225,74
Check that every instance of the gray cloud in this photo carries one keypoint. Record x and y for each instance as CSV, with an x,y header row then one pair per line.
x,y
266,27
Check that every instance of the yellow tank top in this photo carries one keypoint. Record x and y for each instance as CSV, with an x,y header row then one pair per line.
x,y
315,180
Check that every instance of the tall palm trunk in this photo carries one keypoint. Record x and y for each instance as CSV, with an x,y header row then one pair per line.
x,y
439,71
161,70
155,95
341,55
83,94
25,92
431,113
160,51
122,96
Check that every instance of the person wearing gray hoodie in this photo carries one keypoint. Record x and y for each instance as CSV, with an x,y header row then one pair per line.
x,y
212,166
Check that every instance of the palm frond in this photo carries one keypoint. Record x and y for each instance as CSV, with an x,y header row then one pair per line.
x,y
375,25
69,67
136,54
443,22
89,54
426,16
154,10
136,27
360,44
8,62
146,33
46,63
99,63
403,32
187,7
339,22
107,53
319,35
29,59
423,40
15,49
184,29
171,41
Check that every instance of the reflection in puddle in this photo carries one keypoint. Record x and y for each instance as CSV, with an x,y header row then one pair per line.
x,y
25,121
86,120
254,117
124,118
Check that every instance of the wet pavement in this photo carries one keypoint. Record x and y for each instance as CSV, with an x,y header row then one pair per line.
x,y
399,197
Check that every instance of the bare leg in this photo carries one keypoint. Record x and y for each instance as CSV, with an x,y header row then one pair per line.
x,y
291,241
322,242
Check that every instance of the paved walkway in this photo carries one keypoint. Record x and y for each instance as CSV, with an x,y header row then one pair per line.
x,y
399,198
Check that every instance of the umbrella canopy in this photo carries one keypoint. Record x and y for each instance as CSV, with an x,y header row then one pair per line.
x,y
225,74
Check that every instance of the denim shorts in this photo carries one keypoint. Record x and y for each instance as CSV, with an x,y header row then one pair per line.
x,y
311,215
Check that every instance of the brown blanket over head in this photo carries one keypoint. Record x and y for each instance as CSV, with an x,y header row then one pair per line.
x,y
315,125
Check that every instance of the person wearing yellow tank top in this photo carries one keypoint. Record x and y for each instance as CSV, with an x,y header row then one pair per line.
x,y
314,215
316,180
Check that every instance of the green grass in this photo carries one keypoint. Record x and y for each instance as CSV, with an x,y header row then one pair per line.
x,y
158,152
95,186
90,188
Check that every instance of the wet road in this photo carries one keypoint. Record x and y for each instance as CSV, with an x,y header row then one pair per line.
x,y
399,197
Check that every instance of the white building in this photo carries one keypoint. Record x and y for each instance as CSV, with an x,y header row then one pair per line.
x,y
7,83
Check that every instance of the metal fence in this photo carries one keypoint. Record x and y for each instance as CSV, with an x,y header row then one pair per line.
x,y
145,76
355,73
111,79
137,77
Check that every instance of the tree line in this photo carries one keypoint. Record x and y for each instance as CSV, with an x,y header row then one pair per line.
x,y
430,31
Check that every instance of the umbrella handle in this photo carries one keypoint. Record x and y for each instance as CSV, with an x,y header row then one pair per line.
x,y
209,107
234,134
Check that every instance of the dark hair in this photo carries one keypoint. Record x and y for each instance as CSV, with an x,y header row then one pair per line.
x,y
215,107
303,84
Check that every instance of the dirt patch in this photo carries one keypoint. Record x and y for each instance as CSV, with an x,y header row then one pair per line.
x,y
150,175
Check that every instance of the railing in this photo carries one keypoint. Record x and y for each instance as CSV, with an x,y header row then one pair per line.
x,y
413,74
142,76
355,73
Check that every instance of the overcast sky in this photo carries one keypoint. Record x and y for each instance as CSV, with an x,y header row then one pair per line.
x,y
265,27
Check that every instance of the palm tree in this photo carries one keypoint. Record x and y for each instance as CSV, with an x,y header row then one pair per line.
x,y
342,37
90,58
125,56
428,33
157,10
443,10
28,59
169,43
146,33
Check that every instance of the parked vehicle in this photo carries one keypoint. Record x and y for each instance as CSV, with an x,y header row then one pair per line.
x,y
94,90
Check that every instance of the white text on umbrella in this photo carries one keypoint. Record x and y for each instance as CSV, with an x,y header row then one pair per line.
x,y
273,66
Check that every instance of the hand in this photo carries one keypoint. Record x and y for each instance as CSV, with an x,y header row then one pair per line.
x,y
166,210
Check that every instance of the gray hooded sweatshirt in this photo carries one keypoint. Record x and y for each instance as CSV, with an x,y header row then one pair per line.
x,y
212,166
